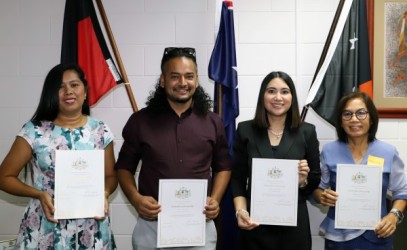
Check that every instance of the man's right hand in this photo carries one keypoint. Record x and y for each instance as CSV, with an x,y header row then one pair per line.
x,y
147,207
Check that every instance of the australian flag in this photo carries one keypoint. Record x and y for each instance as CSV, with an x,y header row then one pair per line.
x,y
222,70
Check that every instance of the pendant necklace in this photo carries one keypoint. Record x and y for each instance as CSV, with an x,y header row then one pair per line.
x,y
277,135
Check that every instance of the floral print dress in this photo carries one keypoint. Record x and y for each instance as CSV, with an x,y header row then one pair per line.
x,y
36,232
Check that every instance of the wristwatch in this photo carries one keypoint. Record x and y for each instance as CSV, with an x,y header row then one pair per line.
x,y
398,213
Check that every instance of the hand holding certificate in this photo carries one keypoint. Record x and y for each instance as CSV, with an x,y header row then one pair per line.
x,y
181,221
360,190
79,184
274,199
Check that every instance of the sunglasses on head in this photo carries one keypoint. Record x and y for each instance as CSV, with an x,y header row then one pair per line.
x,y
169,51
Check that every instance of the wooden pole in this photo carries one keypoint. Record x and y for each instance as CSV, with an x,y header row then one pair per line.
x,y
220,97
117,55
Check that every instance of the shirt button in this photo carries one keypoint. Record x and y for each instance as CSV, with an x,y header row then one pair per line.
x,y
180,161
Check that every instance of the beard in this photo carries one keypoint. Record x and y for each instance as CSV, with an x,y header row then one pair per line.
x,y
180,99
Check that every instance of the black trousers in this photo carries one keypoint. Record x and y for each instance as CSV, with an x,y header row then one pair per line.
x,y
279,237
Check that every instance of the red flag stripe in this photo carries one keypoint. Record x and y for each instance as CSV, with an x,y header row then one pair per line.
x,y
93,63
83,43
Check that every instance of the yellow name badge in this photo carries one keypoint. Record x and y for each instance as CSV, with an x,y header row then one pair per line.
x,y
375,161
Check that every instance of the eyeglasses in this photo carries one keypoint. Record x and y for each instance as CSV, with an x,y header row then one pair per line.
x,y
361,114
179,51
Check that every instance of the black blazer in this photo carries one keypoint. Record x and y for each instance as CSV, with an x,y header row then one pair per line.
x,y
253,142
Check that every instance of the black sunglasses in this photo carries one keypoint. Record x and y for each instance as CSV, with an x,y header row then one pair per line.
x,y
179,51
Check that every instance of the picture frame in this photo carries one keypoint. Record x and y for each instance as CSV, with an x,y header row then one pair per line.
x,y
390,58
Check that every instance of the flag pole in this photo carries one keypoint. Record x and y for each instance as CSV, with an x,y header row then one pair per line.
x,y
219,104
117,55
219,90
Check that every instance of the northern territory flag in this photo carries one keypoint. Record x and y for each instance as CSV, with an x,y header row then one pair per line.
x,y
83,43
344,66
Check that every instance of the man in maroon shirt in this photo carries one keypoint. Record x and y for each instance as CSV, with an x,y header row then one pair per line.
x,y
176,137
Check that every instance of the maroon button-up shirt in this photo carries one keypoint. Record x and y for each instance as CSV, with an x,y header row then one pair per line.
x,y
172,147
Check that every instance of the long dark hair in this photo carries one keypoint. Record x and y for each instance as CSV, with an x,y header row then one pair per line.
x,y
371,108
48,106
293,119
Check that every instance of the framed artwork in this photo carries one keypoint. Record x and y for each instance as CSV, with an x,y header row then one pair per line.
x,y
390,58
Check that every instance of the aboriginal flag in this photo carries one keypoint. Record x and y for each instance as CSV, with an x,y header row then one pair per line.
x,y
83,43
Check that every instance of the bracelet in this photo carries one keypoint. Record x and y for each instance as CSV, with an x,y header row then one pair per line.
x,y
240,210
303,185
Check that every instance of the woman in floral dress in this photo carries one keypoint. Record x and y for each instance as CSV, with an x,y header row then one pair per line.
x,y
61,122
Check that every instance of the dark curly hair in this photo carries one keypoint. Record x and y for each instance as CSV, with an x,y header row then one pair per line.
x,y
157,101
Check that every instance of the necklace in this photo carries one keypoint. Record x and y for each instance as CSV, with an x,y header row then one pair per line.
x,y
277,135
65,123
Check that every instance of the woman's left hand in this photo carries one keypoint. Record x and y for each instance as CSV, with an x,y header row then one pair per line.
x,y
106,207
47,205
303,170
387,226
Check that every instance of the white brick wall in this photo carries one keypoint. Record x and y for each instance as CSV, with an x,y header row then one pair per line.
x,y
271,35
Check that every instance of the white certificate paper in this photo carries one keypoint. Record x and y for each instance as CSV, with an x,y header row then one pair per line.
x,y
274,192
360,190
79,184
181,221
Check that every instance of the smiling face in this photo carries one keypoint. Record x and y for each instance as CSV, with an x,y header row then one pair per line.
x,y
277,97
72,93
359,123
180,80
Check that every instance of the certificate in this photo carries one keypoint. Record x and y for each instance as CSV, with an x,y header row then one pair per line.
x,y
360,192
274,195
181,221
79,184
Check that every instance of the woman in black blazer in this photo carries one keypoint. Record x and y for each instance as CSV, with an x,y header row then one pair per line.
x,y
275,132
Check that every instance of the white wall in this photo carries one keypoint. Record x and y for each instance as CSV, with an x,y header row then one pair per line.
x,y
285,35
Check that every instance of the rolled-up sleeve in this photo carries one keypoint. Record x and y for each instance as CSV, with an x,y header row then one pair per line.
x,y
398,181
